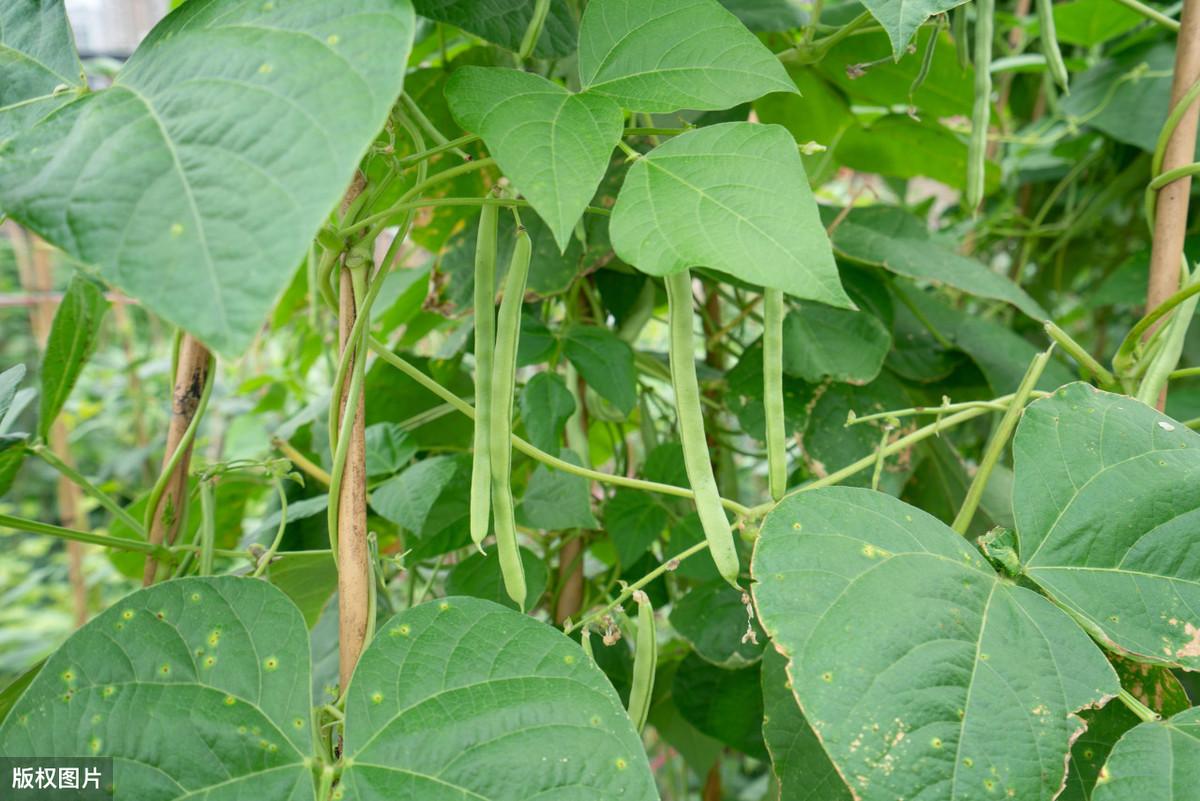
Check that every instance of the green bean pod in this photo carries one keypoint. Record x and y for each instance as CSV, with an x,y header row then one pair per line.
x,y
1049,38
773,311
504,369
981,116
645,661
485,344
691,427
926,61
958,30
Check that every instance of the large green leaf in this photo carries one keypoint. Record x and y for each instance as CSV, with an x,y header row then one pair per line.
x,y
716,621
633,522
822,342
505,22
665,55
733,197
724,704
479,576
461,698
546,405
223,663
1092,22
902,18
204,216
1106,501
552,144
888,237
606,363
1158,760
38,60
73,338
555,500
908,654
798,759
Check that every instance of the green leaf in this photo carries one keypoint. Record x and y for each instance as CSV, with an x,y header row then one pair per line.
x,y
889,237
744,393
479,577
907,653
1106,501
947,90
389,448
1130,111
829,444
546,405
714,619
12,454
1001,354
1154,686
224,665
724,704
308,579
204,216
665,55
13,691
820,113
552,144
1092,22
767,16
72,340
634,522
1159,760
800,763
606,363
902,18
462,698
504,22
733,197
557,501
10,379
37,57
898,146
822,342
424,498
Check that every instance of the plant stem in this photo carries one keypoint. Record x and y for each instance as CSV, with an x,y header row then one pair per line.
x,y
300,460
1079,354
120,543
414,111
453,144
1135,706
533,452
433,180
998,442
194,378
1158,371
1123,360
270,554
627,593
1151,14
49,457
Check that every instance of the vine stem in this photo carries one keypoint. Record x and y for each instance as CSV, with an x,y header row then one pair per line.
x,y
194,379
900,444
627,593
998,442
1135,706
534,31
1151,14
300,460
51,458
1123,359
538,454
266,558
445,175
1080,354
74,535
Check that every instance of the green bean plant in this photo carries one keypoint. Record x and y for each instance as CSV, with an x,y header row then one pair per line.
x,y
606,399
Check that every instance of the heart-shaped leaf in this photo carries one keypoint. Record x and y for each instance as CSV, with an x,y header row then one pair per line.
x,y
902,18
1106,501
38,60
553,144
661,56
733,197
223,664
197,180
505,22
798,760
908,653
1159,760
462,698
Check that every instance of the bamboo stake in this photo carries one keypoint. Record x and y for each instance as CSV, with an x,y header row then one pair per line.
x,y
191,377
1170,219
